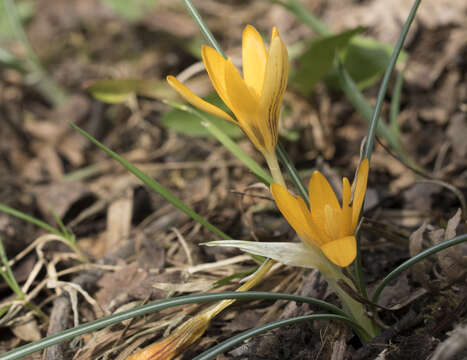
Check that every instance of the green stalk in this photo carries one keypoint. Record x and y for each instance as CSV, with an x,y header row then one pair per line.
x,y
8,274
374,122
28,218
238,339
203,27
154,185
10,279
413,260
274,168
384,84
359,279
32,347
334,276
65,235
293,173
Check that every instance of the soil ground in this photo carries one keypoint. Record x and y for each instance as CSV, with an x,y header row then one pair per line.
x,y
141,248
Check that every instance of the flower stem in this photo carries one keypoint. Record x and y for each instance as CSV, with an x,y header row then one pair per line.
x,y
273,164
354,308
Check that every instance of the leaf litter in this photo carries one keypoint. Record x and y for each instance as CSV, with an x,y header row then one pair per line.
x,y
128,232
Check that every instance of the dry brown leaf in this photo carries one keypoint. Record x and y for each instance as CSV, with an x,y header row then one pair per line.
x,y
451,260
119,216
420,196
403,176
419,270
394,295
132,282
59,197
27,330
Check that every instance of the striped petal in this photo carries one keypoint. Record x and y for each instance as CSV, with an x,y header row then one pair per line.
x,y
275,82
215,66
314,232
254,59
244,105
196,101
322,194
346,226
360,190
341,252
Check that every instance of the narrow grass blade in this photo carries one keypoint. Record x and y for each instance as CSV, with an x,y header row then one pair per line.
x,y
347,84
10,279
28,218
375,124
8,274
154,185
238,339
225,140
355,96
292,171
413,260
32,347
203,27
385,82
359,279
65,234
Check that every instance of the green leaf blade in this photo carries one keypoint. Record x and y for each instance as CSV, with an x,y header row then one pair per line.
x,y
316,62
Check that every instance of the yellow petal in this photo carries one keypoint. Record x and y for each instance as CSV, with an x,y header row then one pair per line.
x,y
275,82
244,102
360,190
331,222
321,194
244,105
254,59
346,209
196,101
215,66
290,208
314,233
341,251
174,344
274,34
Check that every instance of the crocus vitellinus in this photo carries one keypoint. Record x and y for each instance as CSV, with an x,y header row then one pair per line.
x,y
326,224
255,100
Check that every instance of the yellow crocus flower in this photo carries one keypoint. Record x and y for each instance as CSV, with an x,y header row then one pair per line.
x,y
255,100
326,225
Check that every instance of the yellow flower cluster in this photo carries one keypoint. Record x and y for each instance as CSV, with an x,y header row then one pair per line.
x,y
255,102
326,227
